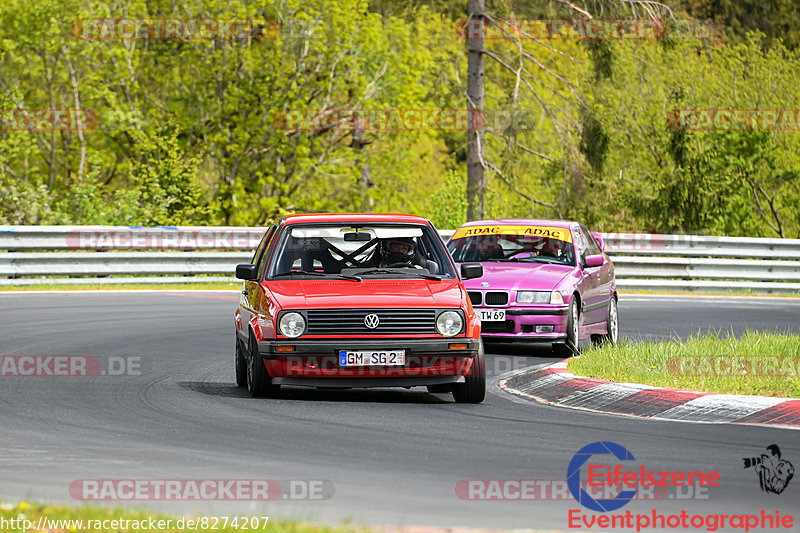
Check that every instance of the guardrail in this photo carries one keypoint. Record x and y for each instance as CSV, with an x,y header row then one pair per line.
x,y
114,254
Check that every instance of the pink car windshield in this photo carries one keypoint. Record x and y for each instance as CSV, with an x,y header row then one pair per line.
x,y
511,247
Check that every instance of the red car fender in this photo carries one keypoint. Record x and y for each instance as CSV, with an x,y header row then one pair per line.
x,y
256,329
473,324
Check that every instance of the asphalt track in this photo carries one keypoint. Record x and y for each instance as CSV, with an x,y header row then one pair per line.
x,y
393,456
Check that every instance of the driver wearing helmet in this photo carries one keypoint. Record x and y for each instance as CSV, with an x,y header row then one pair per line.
x,y
398,251
557,248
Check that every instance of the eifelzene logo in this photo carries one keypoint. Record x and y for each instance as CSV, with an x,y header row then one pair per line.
x,y
774,473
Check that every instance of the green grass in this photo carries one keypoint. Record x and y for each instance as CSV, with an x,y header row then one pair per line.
x,y
669,363
87,513
728,292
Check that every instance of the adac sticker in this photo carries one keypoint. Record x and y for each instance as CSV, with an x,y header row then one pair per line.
x,y
257,329
562,234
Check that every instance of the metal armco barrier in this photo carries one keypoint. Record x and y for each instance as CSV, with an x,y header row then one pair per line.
x,y
29,238
117,254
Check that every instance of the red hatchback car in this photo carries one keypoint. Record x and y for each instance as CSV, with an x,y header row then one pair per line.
x,y
357,300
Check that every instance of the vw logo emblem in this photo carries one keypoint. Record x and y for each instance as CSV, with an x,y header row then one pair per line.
x,y
484,283
372,321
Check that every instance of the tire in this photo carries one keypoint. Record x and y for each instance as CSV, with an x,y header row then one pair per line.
x,y
259,383
473,390
612,324
572,344
241,365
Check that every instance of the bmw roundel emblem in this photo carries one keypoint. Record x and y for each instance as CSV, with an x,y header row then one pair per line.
x,y
484,283
372,321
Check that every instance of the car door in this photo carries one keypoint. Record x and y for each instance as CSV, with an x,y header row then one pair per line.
x,y
606,273
589,285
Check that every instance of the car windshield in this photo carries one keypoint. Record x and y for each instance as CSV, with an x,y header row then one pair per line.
x,y
528,244
360,251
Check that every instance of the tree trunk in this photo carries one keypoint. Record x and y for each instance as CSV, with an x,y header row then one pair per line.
x,y
476,185
360,143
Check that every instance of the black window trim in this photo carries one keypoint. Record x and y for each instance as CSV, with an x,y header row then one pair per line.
x,y
277,243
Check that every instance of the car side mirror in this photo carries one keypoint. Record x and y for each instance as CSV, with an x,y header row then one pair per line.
x,y
246,272
594,260
600,242
471,270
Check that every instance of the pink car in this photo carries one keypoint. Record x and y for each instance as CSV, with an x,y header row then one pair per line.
x,y
543,281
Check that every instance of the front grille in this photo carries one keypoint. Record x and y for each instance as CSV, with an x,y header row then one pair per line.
x,y
351,321
506,326
475,297
496,298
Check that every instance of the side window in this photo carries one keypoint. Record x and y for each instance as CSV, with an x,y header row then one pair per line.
x,y
259,250
593,247
580,244
263,249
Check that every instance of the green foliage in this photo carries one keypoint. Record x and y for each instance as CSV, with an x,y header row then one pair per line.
x,y
164,182
449,206
24,203
196,131
777,19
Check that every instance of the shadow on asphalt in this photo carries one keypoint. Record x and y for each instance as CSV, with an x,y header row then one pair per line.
x,y
526,349
394,395
501,358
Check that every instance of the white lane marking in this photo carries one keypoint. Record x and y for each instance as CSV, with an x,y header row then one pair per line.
x,y
531,387
720,407
521,370
495,388
602,395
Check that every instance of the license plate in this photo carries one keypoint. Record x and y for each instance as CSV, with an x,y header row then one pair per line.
x,y
492,315
372,358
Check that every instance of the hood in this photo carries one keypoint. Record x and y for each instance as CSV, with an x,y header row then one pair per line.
x,y
520,276
307,294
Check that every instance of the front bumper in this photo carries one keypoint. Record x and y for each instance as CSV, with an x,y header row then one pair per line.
x,y
521,322
368,383
315,362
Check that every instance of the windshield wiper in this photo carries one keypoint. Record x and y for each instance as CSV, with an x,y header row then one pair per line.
x,y
404,271
535,259
318,274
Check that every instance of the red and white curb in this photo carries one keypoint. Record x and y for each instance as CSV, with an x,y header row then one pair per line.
x,y
553,385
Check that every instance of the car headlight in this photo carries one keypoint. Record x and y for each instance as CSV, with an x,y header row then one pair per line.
x,y
292,325
449,323
556,298
533,297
